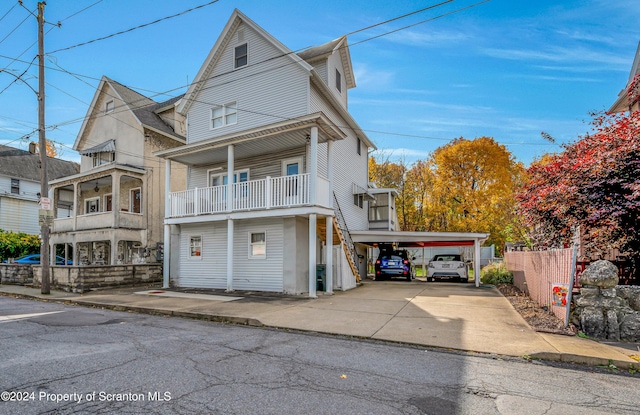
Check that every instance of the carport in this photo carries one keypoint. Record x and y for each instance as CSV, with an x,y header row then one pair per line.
x,y
425,239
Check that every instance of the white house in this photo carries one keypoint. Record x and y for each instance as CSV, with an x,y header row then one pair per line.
x,y
20,187
277,122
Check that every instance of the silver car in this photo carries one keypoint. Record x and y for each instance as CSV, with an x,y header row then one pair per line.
x,y
447,267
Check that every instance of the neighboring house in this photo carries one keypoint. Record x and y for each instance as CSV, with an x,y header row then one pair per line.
x,y
20,187
276,169
629,97
112,211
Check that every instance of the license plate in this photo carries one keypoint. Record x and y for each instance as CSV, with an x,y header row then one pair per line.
x,y
445,265
391,263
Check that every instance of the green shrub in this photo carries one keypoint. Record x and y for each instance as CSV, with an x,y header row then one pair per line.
x,y
496,273
14,245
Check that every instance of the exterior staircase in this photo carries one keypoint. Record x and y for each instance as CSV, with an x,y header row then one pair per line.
x,y
342,232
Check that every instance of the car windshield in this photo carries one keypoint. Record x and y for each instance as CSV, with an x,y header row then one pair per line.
x,y
447,258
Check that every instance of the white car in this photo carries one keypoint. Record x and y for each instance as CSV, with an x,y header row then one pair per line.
x,y
447,267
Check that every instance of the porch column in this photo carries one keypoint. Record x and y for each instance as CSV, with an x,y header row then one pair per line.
x,y
76,205
330,170
230,169
115,198
229,255
312,255
313,167
167,228
114,250
476,261
328,289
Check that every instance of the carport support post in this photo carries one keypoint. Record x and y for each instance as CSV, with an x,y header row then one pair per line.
x,y
229,255
424,273
476,261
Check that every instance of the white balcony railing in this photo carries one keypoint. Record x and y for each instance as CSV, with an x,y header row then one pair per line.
x,y
271,192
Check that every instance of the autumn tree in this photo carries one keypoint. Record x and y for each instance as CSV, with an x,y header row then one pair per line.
x,y
52,150
474,186
593,185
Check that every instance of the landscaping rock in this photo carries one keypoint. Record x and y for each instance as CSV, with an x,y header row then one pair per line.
x,y
631,294
593,323
630,327
613,328
601,274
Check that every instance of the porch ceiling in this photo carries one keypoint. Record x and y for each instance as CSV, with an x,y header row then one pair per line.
x,y
269,139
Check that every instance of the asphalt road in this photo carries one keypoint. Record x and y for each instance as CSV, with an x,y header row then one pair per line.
x,y
64,359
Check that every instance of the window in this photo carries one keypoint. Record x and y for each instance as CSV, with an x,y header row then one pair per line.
x,y
108,203
15,186
135,205
338,81
358,200
359,147
257,245
104,157
92,205
108,107
195,247
224,115
240,56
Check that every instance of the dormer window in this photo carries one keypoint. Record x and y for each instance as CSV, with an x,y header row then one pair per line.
x,y
338,81
240,56
108,107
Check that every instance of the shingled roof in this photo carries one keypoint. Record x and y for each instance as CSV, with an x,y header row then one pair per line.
x,y
21,164
144,108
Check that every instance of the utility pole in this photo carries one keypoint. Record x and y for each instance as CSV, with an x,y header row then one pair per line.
x,y
44,182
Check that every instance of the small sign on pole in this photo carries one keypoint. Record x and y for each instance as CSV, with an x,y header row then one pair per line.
x,y
560,293
45,203
45,217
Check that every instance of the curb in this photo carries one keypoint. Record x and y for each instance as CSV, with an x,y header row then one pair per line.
x,y
585,360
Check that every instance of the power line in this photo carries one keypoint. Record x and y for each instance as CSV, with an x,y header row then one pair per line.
x,y
9,11
80,11
14,29
135,28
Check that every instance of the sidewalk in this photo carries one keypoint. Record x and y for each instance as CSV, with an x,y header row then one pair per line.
x,y
449,316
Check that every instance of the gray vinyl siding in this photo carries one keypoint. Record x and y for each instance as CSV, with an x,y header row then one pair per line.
x,y
258,274
348,166
335,62
265,93
210,271
19,215
259,167
321,68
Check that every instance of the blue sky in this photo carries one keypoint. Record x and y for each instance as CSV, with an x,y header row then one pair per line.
x,y
505,69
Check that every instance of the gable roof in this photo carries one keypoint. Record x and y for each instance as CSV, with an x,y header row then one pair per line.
x,y
236,18
323,51
622,103
142,108
21,164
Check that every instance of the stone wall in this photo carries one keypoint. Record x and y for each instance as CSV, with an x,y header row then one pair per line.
x,y
16,274
83,279
605,310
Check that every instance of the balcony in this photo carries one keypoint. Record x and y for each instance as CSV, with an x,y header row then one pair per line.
x,y
267,193
100,221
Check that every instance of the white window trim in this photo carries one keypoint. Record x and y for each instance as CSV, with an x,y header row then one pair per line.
x,y
299,160
338,81
235,57
131,200
104,202
224,115
222,174
195,257
89,199
106,106
251,256
17,187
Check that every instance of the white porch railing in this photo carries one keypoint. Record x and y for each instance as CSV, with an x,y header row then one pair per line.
x,y
271,192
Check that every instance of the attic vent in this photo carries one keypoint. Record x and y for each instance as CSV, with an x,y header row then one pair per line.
x,y
241,35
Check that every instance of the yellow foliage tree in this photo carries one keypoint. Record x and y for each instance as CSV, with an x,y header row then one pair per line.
x,y
474,183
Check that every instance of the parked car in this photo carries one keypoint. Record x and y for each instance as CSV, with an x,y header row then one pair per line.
x,y
394,264
447,267
35,259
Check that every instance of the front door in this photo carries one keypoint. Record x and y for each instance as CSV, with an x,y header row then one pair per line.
x,y
292,167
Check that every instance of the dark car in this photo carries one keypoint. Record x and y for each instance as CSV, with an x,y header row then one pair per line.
x,y
35,260
394,264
